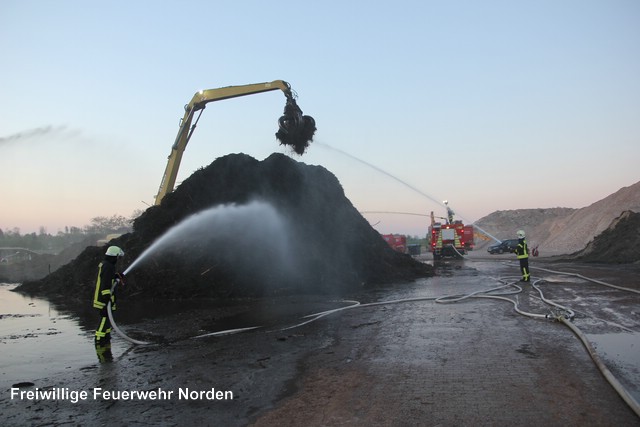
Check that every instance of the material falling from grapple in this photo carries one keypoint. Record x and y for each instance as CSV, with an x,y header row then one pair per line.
x,y
295,129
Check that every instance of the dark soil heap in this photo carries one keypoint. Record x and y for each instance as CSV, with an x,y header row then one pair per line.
x,y
336,250
618,244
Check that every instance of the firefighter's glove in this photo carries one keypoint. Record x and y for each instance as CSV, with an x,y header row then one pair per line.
x,y
120,278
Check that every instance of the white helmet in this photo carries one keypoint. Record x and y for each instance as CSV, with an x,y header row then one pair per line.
x,y
520,234
114,251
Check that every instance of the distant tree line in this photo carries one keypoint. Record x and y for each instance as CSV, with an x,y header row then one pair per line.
x,y
99,226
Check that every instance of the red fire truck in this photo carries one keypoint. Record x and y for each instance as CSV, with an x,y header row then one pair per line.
x,y
451,239
396,241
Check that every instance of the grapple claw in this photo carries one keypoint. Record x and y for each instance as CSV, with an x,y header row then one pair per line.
x,y
295,129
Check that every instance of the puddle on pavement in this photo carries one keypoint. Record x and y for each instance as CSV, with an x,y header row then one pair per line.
x,y
622,350
555,278
624,346
37,340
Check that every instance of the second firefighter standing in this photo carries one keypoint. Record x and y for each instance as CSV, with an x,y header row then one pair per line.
x,y
522,253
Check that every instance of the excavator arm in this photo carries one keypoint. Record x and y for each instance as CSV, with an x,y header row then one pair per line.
x,y
293,126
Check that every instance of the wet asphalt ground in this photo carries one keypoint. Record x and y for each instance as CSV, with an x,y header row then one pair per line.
x,y
410,363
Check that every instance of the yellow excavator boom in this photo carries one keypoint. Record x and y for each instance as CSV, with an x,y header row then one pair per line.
x,y
197,103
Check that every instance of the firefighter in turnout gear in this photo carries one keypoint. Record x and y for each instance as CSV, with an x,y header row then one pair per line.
x,y
522,253
105,293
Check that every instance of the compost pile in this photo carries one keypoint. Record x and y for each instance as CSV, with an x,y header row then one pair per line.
x,y
618,244
328,246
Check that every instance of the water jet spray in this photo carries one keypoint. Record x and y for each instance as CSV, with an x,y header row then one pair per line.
x,y
226,228
406,184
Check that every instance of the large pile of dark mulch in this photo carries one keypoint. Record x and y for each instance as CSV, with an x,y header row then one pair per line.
x,y
618,244
331,248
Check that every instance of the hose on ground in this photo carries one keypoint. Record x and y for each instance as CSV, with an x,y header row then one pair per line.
x,y
565,319
115,326
600,282
497,293
619,388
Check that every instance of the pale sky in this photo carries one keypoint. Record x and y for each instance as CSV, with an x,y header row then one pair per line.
x,y
492,105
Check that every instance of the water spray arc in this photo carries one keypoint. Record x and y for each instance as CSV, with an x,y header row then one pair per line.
x,y
230,227
257,220
394,213
382,171
406,184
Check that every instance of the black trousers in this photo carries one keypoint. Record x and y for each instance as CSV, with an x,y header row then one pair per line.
x,y
103,331
524,268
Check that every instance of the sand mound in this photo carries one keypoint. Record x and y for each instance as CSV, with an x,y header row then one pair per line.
x,y
560,231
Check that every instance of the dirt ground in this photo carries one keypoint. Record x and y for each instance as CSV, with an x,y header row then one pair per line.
x,y
418,363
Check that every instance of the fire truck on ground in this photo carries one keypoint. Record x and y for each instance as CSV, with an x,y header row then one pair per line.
x,y
396,241
452,239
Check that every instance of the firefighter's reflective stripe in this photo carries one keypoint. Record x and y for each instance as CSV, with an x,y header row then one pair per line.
x,y
525,274
97,300
521,250
96,295
103,330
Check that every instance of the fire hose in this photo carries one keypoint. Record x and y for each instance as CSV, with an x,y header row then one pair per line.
x,y
113,322
564,315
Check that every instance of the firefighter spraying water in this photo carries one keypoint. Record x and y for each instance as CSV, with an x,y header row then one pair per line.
x,y
104,299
